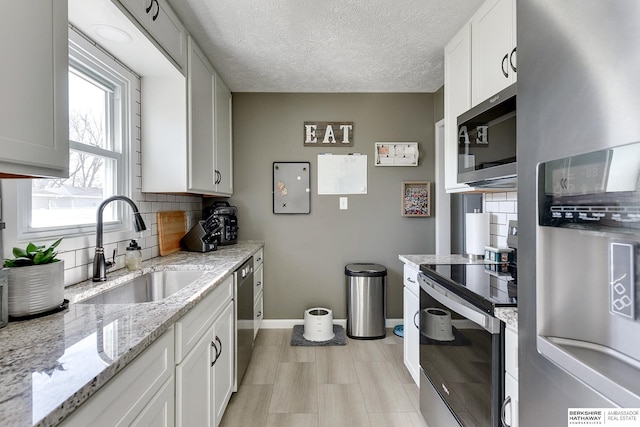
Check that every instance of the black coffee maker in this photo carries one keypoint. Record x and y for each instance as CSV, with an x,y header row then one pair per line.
x,y
226,214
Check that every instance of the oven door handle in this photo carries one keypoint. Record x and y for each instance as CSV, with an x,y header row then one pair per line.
x,y
457,304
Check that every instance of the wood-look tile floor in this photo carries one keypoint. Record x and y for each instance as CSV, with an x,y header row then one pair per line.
x,y
363,383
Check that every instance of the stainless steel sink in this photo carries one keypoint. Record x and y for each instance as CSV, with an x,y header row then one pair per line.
x,y
149,287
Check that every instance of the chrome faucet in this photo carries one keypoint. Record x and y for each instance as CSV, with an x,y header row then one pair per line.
x,y
100,265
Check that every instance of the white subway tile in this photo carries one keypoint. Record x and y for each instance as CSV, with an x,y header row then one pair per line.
x,y
151,241
75,275
498,218
492,207
84,255
512,195
150,197
507,207
69,258
499,196
147,254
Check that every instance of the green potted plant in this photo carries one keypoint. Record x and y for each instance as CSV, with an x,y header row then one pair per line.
x,y
35,279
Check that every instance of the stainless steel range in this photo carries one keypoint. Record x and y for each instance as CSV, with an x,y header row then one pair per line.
x,y
462,342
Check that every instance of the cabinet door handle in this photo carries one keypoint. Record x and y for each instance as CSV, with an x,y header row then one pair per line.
x,y
157,11
219,342
505,70
414,320
148,9
410,280
503,411
258,284
218,350
259,315
213,344
513,52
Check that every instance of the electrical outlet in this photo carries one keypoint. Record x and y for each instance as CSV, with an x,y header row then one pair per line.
x,y
343,203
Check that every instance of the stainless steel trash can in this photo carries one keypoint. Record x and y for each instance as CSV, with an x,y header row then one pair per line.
x,y
366,300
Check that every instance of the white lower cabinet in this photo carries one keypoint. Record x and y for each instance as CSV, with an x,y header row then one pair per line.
x,y
411,331
510,404
223,372
142,394
194,386
205,356
258,292
510,409
160,411
199,349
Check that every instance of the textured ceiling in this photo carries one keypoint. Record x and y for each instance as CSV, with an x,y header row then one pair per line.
x,y
326,46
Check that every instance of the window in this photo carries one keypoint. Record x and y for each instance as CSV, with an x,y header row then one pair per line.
x,y
99,136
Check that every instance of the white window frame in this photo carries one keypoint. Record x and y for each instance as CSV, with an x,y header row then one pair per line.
x,y
89,58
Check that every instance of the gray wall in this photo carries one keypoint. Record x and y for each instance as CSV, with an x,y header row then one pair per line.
x,y
305,255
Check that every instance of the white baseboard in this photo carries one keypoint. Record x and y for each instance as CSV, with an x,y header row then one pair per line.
x,y
289,323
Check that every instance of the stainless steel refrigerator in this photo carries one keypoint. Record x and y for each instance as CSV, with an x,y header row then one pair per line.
x,y
579,207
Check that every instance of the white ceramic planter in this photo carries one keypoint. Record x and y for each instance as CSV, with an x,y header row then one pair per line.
x,y
35,289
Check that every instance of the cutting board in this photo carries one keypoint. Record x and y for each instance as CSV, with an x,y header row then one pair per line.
x,y
172,226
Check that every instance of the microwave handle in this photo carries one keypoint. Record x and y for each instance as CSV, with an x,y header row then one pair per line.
x,y
444,297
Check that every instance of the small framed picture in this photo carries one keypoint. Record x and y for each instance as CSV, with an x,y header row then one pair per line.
x,y
396,154
416,198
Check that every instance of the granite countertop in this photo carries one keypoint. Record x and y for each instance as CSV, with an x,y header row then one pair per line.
x,y
415,260
508,315
51,365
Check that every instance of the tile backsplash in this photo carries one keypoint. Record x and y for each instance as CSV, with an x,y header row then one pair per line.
x,y
503,208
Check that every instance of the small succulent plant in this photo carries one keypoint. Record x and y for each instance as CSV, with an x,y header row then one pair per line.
x,y
33,255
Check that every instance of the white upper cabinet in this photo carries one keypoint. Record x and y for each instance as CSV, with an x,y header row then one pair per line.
x,y
224,139
210,144
163,25
201,106
457,100
493,44
479,62
186,137
34,123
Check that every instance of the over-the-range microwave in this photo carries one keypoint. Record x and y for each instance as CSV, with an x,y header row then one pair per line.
x,y
487,142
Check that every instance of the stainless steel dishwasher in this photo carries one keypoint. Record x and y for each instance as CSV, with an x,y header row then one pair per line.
x,y
244,318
